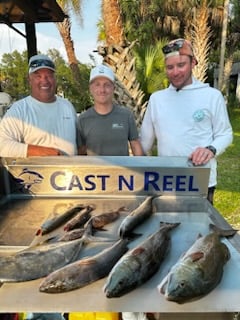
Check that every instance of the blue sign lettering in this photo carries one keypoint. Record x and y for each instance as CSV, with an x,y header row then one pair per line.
x,y
75,183
53,180
149,181
191,188
151,178
181,183
167,183
123,181
60,181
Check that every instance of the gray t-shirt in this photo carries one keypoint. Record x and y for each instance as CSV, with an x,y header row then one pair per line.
x,y
109,134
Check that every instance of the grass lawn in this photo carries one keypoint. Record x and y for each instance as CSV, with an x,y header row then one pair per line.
x,y
227,195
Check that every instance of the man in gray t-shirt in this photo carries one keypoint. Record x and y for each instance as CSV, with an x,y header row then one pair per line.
x,y
106,129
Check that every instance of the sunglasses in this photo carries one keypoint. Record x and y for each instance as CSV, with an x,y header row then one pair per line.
x,y
42,63
173,46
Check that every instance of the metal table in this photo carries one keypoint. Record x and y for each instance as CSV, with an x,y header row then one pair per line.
x,y
36,188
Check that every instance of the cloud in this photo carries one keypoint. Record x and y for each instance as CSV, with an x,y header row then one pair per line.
x,y
10,40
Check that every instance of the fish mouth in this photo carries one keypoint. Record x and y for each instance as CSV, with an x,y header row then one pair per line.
x,y
50,289
111,295
174,299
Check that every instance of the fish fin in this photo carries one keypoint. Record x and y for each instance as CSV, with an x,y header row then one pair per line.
x,y
123,209
90,238
163,284
195,256
39,232
133,235
223,232
171,225
95,229
52,239
91,207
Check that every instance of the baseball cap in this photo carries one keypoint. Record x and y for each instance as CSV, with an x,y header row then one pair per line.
x,y
178,47
102,71
40,61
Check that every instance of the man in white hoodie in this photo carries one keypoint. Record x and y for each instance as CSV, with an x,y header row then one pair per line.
x,y
189,118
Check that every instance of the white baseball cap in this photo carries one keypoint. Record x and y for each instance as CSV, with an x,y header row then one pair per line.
x,y
102,71
40,61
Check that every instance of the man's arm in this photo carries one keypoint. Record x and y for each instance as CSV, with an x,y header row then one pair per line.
x,y
82,150
136,148
42,151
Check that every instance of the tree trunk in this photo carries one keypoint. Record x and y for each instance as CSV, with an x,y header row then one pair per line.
x,y
223,45
199,33
112,22
64,29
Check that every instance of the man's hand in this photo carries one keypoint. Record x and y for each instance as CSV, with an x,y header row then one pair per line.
x,y
201,156
42,151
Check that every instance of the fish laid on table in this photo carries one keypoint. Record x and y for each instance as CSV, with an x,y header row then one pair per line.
x,y
198,271
38,261
85,271
80,218
136,217
139,264
97,222
71,235
58,220
100,220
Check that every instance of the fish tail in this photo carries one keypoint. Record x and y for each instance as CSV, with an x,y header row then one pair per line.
x,y
170,225
223,232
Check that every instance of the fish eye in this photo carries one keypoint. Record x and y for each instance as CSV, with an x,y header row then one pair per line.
x,y
182,284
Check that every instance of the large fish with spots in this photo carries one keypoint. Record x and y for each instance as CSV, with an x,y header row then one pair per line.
x,y
139,264
85,271
199,270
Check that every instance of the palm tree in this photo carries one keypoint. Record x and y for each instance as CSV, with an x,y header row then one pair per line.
x,y
199,32
64,29
150,67
119,55
223,44
112,20
155,19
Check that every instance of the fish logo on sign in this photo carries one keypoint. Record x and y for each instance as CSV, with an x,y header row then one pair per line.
x,y
27,178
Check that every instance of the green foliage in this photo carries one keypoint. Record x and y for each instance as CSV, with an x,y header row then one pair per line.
x,y
150,67
140,20
14,78
149,21
227,198
13,74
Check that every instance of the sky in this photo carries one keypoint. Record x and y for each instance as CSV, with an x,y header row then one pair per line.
x,y
85,38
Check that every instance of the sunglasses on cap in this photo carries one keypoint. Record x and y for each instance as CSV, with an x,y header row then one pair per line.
x,y
42,63
173,46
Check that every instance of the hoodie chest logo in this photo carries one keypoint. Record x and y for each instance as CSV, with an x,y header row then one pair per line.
x,y
198,115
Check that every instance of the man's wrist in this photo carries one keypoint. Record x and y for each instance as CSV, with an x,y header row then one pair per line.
x,y
212,149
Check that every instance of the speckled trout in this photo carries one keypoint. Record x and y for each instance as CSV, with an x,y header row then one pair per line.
x,y
139,264
198,271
